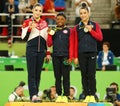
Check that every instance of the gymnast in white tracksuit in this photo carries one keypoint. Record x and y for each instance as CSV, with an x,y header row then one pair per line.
x,y
34,31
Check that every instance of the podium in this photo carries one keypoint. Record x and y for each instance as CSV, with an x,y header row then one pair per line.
x,y
56,104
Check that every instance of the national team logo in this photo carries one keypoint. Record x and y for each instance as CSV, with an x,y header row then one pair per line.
x,y
65,31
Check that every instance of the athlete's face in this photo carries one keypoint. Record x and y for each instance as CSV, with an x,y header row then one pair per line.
x,y
37,12
60,21
84,14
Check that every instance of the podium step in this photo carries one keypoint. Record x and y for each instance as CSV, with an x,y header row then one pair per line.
x,y
100,104
56,104
44,104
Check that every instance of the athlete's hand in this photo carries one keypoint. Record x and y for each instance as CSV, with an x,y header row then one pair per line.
x,y
32,25
76,61
47,58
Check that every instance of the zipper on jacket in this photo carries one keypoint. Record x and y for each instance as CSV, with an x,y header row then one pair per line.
x,y
39,43
39,40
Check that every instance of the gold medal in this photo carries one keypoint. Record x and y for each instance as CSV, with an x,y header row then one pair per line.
x,y
52,32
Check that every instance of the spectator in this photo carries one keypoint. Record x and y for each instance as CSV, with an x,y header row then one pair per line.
x,y
50,8
22,5
2,18
117,10
59,5
11,8
78,4
105,57
29,8
49,94
18,93
112,95
52,95
72,97
117,2
117,14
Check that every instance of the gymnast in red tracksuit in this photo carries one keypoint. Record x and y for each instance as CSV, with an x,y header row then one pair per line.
x,y
34,31
87,33
62,41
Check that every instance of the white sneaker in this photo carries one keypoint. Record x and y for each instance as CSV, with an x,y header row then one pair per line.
x,y
35,98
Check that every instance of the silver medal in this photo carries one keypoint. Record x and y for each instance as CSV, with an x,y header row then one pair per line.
x,y
85,30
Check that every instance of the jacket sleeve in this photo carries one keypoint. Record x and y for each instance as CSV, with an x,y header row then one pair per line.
x,y
111,57
25,31
97,34
71,44
75,43
49,40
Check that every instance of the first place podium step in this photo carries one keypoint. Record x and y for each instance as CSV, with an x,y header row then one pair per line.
x,y
56,104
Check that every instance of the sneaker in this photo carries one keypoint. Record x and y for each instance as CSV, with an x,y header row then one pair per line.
x,y
35,98
92,99
64,99
87,99
59,99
